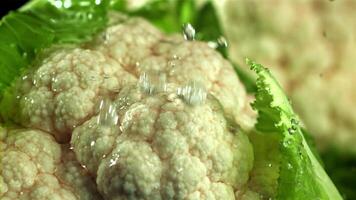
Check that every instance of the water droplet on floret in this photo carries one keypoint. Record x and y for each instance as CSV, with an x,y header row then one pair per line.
x,y
222,42
113,161
194,93
188,32
107,113
151,82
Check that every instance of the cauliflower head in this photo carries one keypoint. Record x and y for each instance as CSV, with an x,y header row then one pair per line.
x,y
148,116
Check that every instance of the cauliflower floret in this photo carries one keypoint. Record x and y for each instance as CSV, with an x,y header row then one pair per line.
x,y
164,148
63,89
61,93
33,167
180,61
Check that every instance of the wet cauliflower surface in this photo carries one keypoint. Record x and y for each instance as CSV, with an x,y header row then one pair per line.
x,y
33,166
163,148
148,116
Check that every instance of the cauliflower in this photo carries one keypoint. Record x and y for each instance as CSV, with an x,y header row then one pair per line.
x,y
149,116
62,91
309,46
137,114
35,166
187,157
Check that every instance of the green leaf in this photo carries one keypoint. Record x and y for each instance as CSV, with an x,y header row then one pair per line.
x,y
301,175
40,24
265,173
208,27
246,78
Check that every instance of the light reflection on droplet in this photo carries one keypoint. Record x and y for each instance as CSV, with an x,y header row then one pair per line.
x,y
113,161
58,3
194,93
107,113
151,82
222,42
67,3
188,32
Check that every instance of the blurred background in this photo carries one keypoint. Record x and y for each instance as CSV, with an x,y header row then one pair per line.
x,y
310,46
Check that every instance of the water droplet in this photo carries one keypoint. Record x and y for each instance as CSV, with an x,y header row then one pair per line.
x,y
84,166
92,143
97,2
71,147
269,165
113,161
194,93
213,44
171,64
222,42
289,166
54,80
294,121
107,113
151,82
67,3
286,143
179,170
188,32
57,3
291,130
24,77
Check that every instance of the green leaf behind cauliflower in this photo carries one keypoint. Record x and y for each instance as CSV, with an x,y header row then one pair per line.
x,y
301,175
